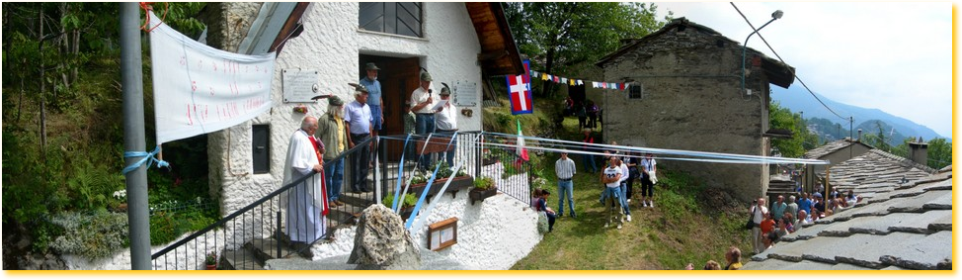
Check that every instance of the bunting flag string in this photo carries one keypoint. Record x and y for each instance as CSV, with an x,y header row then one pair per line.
x,y
576,82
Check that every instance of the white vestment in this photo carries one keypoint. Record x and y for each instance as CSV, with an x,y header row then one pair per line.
x,y
305,201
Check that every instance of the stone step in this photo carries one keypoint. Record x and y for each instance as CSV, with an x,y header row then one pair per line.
x,y
342,216
266,249
239,260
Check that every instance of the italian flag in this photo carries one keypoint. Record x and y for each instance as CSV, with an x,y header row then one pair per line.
x,y
522,152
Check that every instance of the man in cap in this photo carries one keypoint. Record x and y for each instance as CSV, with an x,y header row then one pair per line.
x,y
447,122
421,104
374,99
332,129
357,116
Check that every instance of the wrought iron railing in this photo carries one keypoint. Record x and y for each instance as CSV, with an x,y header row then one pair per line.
x,y
265,225
261,224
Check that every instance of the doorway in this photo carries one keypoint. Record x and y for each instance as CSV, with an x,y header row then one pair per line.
x,y
399,77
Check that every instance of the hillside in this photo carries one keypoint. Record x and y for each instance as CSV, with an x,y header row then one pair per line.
x,y
797,99
691,223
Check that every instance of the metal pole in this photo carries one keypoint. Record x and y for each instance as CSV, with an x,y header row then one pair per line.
x,y
133,96
850,137
745,49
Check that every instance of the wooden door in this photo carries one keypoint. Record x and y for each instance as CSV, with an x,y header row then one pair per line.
x,y
398,79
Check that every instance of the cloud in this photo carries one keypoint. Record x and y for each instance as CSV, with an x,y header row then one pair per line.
x,y
892,56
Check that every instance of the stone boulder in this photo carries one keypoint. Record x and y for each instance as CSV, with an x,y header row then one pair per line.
x,y
382,243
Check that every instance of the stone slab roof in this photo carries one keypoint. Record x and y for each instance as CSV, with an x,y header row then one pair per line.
x,y
874,170
906,228
831,147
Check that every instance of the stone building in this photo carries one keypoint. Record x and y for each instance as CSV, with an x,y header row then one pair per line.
x,y
685,93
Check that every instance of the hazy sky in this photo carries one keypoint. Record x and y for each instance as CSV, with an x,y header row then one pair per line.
x,y
893,56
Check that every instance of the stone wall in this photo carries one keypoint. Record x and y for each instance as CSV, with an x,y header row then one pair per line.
x,y
692,101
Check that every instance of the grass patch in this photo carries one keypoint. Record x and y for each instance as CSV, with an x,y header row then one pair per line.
x,y
677,231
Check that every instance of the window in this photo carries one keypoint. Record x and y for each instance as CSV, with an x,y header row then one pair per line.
x,y
635,92
262,148
391,17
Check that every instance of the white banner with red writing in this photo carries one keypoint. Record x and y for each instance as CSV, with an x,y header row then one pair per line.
x,y
199,89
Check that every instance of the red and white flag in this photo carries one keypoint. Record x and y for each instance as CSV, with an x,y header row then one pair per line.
x,y
519,92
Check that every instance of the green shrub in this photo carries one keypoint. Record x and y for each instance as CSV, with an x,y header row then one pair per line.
x,y
483,183
408,200
96,235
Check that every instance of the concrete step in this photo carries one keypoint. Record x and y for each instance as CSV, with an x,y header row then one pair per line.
x,y
239,260
266,249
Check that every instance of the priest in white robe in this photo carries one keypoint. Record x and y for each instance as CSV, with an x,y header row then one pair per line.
x,y
306,203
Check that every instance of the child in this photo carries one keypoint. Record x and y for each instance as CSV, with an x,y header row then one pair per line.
x,y
543,206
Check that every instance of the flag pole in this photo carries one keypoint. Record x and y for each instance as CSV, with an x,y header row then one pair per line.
x,y
133,97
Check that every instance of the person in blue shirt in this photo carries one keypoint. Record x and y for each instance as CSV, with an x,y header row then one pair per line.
x,y
374,99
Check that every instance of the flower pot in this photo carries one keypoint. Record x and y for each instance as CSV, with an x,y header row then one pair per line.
x,y
480,195
211,267
457,184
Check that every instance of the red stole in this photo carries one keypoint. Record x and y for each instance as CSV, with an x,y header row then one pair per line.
x,y
317,152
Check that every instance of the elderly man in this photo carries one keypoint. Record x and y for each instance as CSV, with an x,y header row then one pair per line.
x,y
759,212
565,170
306,203
447,122
357,117
779,206
792,208
374,99
332,130
421,104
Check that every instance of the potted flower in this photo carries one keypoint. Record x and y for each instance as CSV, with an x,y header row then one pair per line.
x,y
460,181
483,188
407,204
211,261
300,109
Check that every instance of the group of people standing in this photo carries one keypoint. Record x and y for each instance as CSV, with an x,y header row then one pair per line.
x,y
342,127
616,178
429,118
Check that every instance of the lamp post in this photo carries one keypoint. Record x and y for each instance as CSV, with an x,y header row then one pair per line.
x,y
776,15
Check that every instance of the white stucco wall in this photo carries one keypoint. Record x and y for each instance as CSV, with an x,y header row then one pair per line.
x,y
188,257
493,234
331,43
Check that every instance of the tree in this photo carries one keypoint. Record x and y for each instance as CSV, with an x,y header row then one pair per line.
x,y
782,118
566,34
939,153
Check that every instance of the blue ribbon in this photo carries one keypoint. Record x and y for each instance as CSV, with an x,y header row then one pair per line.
x,y
148,158
428,187
400,175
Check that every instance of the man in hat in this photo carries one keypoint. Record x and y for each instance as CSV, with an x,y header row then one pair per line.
x,y
357,116
332,130
447,122
374,99
421,104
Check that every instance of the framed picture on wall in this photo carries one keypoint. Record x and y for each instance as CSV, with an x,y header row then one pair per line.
x,y
443,234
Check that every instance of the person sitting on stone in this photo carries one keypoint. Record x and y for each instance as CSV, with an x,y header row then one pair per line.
x,y
543,206
767,226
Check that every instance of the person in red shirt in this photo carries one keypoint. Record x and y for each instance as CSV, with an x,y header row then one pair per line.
x,y
767,226
589,160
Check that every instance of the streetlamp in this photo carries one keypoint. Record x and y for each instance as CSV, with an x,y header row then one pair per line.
x,y
776,15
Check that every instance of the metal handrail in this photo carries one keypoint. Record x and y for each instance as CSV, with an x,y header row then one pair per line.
x,y
256,203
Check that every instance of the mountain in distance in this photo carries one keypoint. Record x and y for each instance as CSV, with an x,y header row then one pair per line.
x,y
797,99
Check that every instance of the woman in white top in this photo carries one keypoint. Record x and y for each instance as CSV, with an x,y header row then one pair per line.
x,y
611,177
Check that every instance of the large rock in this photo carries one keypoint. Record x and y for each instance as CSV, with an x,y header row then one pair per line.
x,y
382,243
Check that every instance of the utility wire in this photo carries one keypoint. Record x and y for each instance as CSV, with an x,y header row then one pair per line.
x,y
783,62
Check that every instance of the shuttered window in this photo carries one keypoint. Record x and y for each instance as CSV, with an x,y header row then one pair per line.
x,y
262,148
